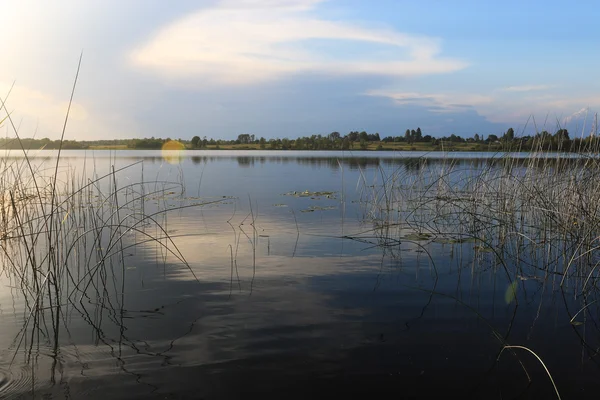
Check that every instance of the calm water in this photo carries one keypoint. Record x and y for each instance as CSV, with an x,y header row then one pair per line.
x,y
287,293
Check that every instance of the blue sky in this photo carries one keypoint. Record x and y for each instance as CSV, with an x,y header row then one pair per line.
x,y
283,68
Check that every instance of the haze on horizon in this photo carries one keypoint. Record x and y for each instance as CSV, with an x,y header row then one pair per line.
x,y
288,68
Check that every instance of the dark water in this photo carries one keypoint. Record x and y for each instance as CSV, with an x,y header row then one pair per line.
x,y
288,292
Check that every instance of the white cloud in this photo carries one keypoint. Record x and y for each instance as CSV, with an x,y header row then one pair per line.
x,y
581,118
499,108
575,102
551,106
578,114
526,88
440,102
252,41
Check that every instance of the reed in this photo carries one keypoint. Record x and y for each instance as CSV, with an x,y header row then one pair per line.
x,y
533,216
539,212
64,236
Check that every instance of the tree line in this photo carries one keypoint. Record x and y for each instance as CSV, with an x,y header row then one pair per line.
x,y
45,143
332,141
353,140
558,141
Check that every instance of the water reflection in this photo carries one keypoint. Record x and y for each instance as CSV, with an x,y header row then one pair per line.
x,y
255,296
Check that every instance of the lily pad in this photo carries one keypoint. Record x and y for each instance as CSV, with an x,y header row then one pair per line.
x,y
483,249
418,236
308,193
456,240
318,208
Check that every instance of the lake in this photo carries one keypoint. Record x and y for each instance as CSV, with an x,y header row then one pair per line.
x,y
228,274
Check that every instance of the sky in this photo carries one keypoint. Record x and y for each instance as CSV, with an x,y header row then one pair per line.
x,y
289,68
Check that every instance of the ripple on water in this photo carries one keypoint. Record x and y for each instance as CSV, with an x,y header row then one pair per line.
x,y
15,382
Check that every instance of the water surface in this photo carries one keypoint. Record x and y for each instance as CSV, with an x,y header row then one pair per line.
x,y
271,278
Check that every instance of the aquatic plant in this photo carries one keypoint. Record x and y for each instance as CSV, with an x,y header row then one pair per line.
x,y
533,218
65,236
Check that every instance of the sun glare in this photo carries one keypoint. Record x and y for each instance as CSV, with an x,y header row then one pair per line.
x,y
171,151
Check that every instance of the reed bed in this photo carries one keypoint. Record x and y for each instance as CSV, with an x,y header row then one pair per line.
x,y
536,216
539,212
65,238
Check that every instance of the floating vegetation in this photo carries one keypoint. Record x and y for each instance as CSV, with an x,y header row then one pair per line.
x,y
318,208
312,195
455,240
528,278
280,205
483,249
417,236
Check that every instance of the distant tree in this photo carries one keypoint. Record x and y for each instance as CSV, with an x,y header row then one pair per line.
x,y
492,138
333,136
337,143
407,135
418,135
243,138
263,143
545,139
562,134
509,136
300,143
345,143
476,137
195,141
363,136
353,136
364,144
562,139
